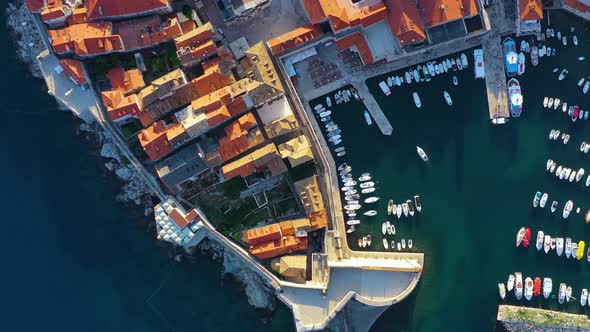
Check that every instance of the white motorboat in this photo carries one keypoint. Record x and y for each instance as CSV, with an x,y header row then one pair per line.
x,y
580,174
372,199
368,117
365,178
554,206
582,146
398,211
518,286
368,240
459,64
558,171
552,169
385,88
586,86
562,74
328,101
385,244
352,207
566,139
392,245
421,153
547,243
568,247
389,82
520,236
540,237
588,181
502,290
367,184
385,227
445,67
399,246
408,77
545,102
559,246
398,81
350,230
561,295
568,293
390,207
510,282
464,60
581,82
404,243
572,176
410,243
430,69
556,103
417,99
584,295
453,65
416,76
564,108
367,190
543,200
448,98
418,203
550,104
410,208
448,63
353,222
479,66
547,287
521,64
567,209
564,40
528,288
550,161
318,107
537,199
455,81
405,209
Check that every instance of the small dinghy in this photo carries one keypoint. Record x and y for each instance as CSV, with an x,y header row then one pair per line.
x,y
448,98
385,244
510,282
410,243
562,75
398,210
559,246
421,153
581,81
554,206
371,200
547,287
403,243
502,290
540,238
564,40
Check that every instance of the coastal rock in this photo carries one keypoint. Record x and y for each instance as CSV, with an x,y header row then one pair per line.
x,y
109,150
88,128
124,173
111,166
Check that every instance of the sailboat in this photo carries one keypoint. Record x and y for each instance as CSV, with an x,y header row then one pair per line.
x,y
421,153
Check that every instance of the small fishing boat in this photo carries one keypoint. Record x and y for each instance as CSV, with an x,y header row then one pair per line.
x,y
368,190
545,102
352,207
550,161
502,290
384,227
371,200
547,287
367,117
399,246
479,66
392,245
410,208
567,209
384,87
586,86
448,98
562,290
515,97
584,295
405,208
418,203
543,200
518,286
390,207
534,56
539,242
568,294
520,236
350,230
510,282
564,40
559,246
521,64
318,107
547,243
581,82
527,238
580,174
417,75
464,60
410,243
421,153
385,244
562,74
537,199
510,56
459,64
455,81
550,104
367,184
368,240
580,251
568,247
398,211
556,103
566,139
417,99
554,206
353,222
528,288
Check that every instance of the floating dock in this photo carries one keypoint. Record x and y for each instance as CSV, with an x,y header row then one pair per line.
x,y
524,318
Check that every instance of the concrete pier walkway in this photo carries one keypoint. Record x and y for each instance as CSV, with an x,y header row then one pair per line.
x,y
495,78
374,109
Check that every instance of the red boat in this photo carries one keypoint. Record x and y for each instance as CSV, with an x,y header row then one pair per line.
x,y
537,289
527,237
576,113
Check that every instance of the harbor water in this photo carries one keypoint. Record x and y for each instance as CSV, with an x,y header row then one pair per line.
x,y
477,189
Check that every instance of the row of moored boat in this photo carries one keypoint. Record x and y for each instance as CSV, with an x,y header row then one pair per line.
x,y
573,111
534,288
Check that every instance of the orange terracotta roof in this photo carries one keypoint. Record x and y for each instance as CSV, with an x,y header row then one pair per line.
x,y
125,81
279,247
78,16
343,14
256,161
577,5
469,8
222,63
262,234
118,105
217,116
35,5
108,8
404,21
530,10
436,12
146,31
318,220
356,39
54,13
195,37
178,219
220,105
154,140
85,39
294,38
74,70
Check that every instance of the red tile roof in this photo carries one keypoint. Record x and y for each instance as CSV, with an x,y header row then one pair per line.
x,y
98,9
78,16
74,70
50,14
147,31
236,141
125,81
294,38
344,14
85,39
118,105
178,219
356,39
530,10
35,5
404,21
577,5
315,10
436,12
154,140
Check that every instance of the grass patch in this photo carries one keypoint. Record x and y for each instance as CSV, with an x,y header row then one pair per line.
x,y
130,128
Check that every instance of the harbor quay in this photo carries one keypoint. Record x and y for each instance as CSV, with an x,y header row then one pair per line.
x,y
516,318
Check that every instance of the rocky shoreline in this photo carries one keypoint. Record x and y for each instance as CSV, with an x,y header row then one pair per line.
x,y
28,42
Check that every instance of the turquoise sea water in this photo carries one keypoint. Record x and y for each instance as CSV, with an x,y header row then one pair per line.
x,y
477,188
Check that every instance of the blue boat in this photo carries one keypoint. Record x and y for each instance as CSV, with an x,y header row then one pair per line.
x,y
514,98
510,56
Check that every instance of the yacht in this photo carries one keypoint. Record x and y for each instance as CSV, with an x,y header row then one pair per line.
x,y
520,236
547,287
421,153
540,237
372,199
510,283
559,246
417,99
567,209
515,97
528,288
448,98
554,206
502,290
